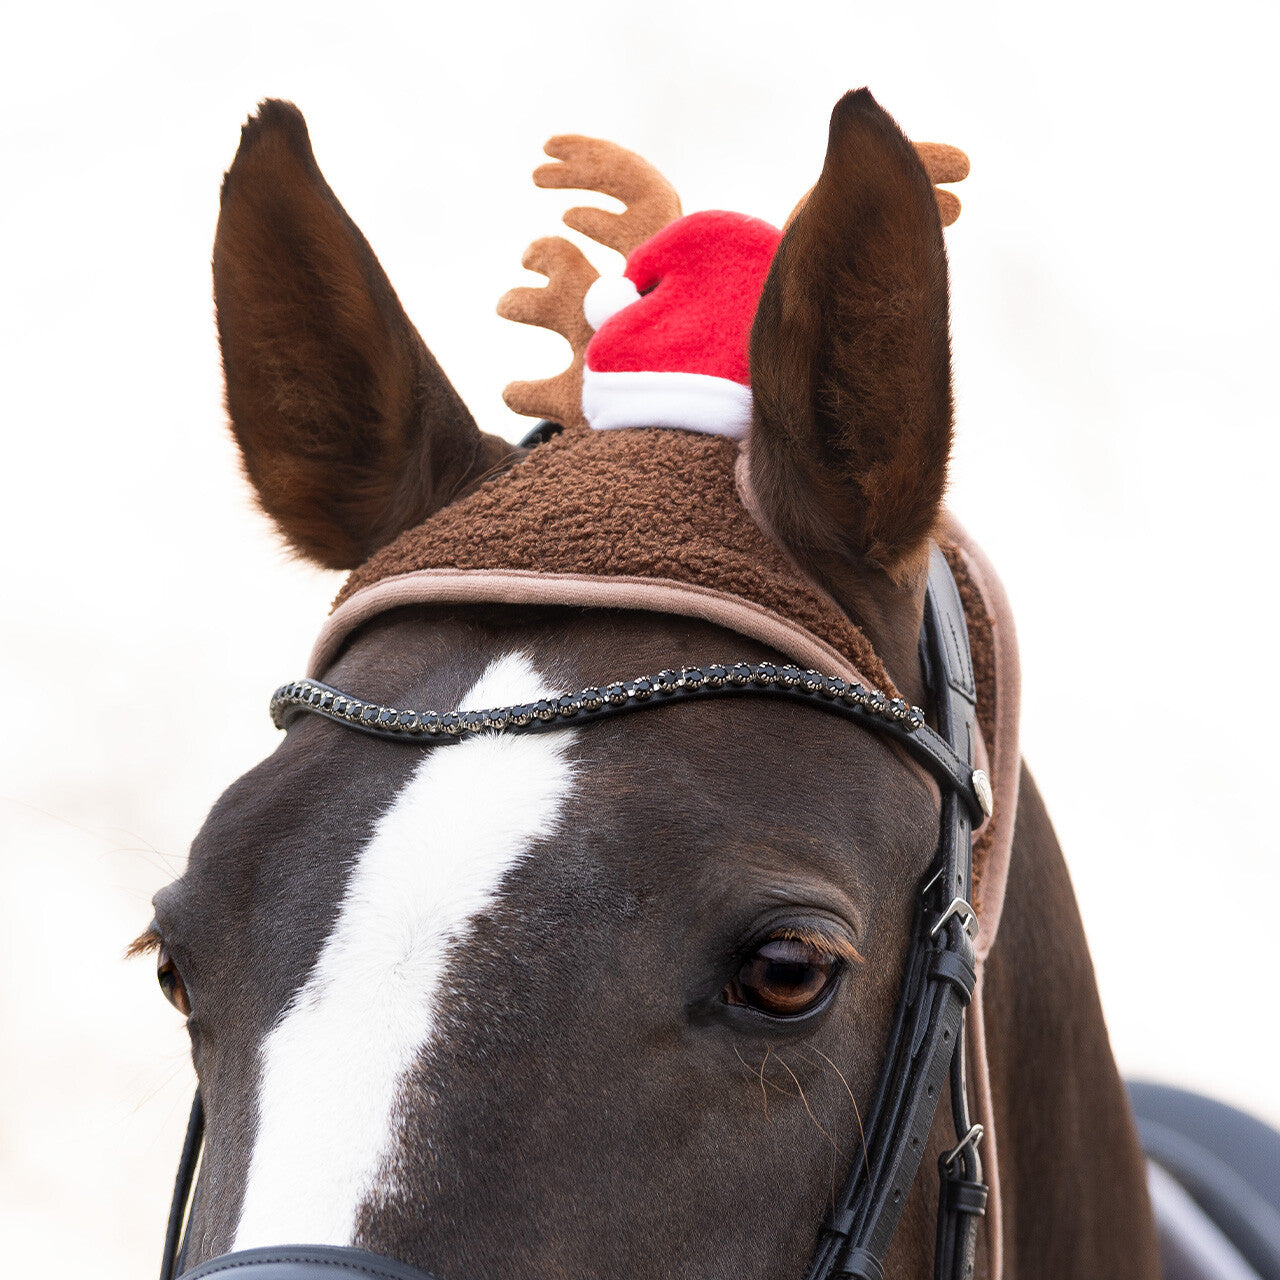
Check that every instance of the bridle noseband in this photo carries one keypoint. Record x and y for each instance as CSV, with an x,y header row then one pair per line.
x,y
925,1053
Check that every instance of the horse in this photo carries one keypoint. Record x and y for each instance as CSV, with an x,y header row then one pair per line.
x,y
613,999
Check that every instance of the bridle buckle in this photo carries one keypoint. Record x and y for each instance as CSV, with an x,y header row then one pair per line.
x,y
970,1139
957,908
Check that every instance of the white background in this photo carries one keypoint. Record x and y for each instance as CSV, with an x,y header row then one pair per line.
x,y
1115,282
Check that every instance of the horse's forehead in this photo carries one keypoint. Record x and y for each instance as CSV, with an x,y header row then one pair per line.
x,y
707,777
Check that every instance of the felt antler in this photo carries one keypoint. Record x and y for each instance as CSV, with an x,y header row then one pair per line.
x,y
944,164
583,164
589,164
556,306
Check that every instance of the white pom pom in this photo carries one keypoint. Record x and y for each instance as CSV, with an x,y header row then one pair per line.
x,y
606,297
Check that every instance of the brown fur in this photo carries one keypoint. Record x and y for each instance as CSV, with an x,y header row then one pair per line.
x,y
850,355
1072,1176
348,429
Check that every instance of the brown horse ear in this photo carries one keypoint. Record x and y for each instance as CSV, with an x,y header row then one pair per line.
x,y
850,358
349,430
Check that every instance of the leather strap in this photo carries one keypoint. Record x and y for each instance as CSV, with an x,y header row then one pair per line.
x,y
962,1193
175,1242
926,1044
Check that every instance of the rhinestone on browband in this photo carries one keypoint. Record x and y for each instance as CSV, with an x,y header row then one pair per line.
x,y
761,677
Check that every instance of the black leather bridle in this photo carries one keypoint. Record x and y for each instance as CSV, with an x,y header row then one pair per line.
x,y
925,1055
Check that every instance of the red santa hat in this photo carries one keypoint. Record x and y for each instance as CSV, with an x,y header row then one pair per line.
x,y
670,347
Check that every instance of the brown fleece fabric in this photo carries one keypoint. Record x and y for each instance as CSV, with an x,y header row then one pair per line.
x,y
982,650
646,503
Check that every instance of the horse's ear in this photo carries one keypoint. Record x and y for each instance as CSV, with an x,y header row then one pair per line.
x,y
850,358
349,430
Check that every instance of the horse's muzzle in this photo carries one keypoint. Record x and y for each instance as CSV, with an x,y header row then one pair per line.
x,y
304,1262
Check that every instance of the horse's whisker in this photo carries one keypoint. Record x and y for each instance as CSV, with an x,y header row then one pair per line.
x,y
857,1114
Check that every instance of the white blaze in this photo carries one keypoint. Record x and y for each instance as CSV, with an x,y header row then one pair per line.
x,y
333,1067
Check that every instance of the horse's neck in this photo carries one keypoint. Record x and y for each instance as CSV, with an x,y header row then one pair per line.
x,y
1073,1184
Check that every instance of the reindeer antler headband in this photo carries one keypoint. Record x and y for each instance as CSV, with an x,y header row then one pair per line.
x,y
592,164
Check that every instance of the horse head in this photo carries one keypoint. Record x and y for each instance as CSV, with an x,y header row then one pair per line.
x,y
615,998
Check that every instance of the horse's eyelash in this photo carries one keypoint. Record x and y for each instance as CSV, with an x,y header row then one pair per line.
x,y
145,943
823,941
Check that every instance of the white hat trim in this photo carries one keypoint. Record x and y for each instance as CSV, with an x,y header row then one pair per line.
x,y
689,401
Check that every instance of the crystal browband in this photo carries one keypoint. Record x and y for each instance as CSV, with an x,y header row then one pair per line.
x,y
893,716
311,695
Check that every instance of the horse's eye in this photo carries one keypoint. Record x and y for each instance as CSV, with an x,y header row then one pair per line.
x,y
170,980
784,977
